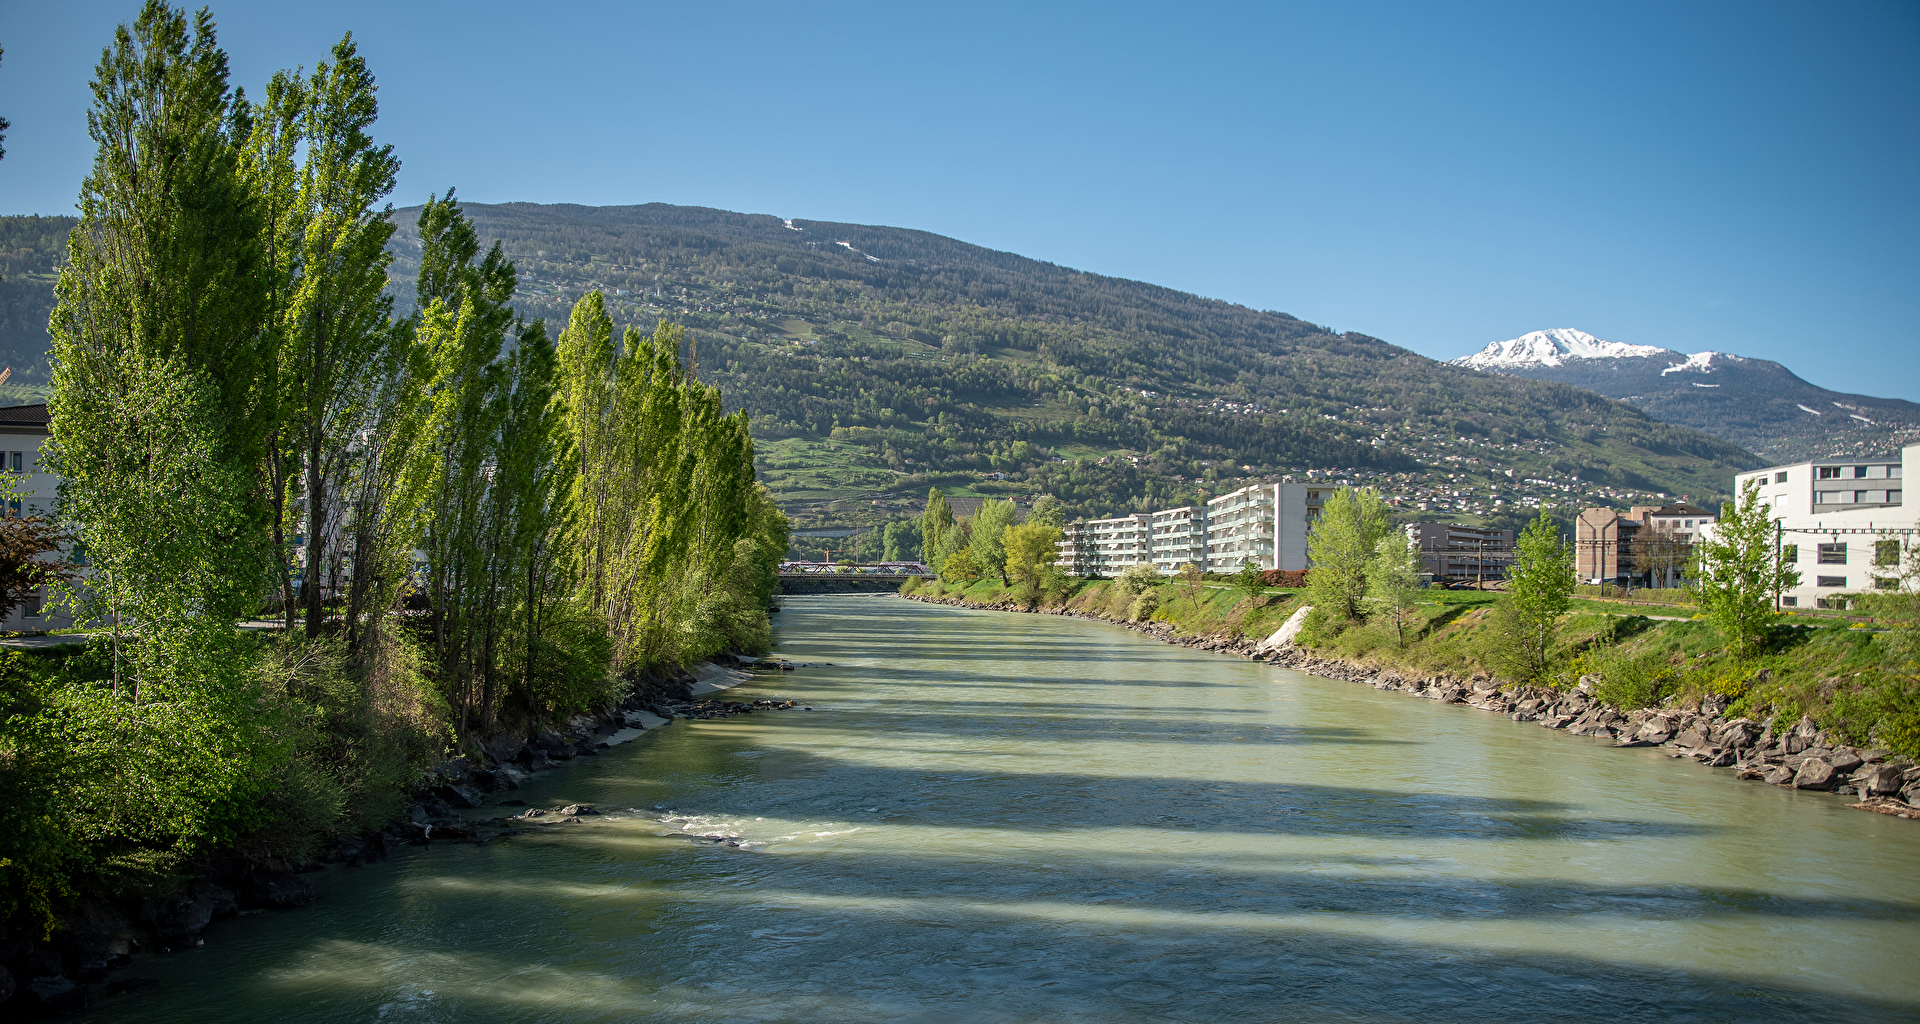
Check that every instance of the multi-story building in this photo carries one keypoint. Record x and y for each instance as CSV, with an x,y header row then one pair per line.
x,y
1106,547
1846,525
1649,545
1179,537
1455,552
1265,523
26,438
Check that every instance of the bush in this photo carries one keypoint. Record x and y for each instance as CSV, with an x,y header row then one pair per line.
x,y
1144,605
1284,578
1138,579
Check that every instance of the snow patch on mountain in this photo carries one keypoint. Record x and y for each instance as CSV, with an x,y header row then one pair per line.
x,y
1552,348
1700,362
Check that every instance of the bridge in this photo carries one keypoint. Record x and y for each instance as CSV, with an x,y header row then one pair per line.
x,y
848,578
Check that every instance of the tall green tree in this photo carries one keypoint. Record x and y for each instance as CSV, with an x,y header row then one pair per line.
x,y
1393,579
1736,573
161,407
1526,620
989,524
1048,510
935,522
337,317
1340,545
161,388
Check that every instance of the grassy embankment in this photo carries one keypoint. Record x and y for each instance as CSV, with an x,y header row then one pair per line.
x,y
1839,671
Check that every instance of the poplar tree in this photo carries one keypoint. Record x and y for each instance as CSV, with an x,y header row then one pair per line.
x,y
1393,579
336,320
161,396
160,410
989,524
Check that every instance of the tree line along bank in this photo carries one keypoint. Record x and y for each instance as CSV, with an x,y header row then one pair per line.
x,y
463,523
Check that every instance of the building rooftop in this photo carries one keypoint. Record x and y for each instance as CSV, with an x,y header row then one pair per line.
x,y
25,416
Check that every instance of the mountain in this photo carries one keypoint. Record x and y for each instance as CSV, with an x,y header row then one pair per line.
x,y
879,361
1755,403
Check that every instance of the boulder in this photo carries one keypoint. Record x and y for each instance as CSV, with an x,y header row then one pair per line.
x,y
1779,776
1692,737
94,930
179,918
276,889
54,996
1738,734
1801,736
1844,760
1654,731
1588,682
1881,780
1814,774
457,795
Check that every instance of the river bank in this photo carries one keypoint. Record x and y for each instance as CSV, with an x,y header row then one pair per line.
x,y
1792,752
59,972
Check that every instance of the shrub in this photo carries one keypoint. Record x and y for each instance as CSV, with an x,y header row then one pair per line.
x,y
1139,578
1144,605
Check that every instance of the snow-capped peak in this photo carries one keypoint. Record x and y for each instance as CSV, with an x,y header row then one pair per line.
x,y
1552,348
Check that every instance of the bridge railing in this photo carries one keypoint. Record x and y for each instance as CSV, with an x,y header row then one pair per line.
x,y
854,569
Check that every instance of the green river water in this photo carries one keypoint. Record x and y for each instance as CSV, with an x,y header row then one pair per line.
x,y
1005,817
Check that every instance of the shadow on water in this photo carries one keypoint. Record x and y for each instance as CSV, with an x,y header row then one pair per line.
x,y
803,786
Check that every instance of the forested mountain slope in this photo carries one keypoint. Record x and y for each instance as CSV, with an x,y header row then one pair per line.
x,y
877,361
874,359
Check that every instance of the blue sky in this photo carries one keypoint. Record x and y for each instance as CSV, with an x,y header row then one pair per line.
x,y
1737,177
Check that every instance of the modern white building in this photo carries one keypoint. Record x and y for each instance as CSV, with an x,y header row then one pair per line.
x,y
1264,523
1845,524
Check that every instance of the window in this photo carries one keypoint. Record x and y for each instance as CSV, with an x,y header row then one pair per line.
x,y
1827,497
1859,472
1838,603
1780,477
1829,472
1833,554
17,461
1893,497
1880,583
1829,581
1886,552
1790,602
1688,524
1790,554
32,608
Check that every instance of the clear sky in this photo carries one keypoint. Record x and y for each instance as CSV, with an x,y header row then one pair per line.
x,y
1739,177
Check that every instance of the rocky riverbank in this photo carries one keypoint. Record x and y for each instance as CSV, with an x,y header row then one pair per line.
x,y
1797,755
62,972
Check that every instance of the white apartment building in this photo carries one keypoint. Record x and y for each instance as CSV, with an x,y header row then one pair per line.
x,y
25,440
1106,547
1266,523
1845,524
1179,537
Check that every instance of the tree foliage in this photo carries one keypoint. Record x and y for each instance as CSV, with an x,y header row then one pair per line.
x,y
1737,573
1340,545
1526,619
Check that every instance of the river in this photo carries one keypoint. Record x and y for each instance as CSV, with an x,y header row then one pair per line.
x,y
1005,817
